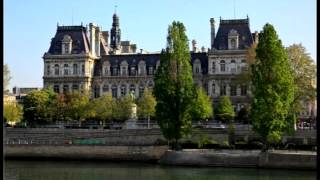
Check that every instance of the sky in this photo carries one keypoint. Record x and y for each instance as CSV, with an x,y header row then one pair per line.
x,y
30,25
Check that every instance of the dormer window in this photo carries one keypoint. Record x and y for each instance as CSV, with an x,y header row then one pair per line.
x,y
233,39
66,45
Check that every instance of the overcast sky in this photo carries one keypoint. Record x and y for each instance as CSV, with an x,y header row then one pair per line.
x,y
30,25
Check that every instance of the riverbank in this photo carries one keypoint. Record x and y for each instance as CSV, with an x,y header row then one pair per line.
x,y
302,160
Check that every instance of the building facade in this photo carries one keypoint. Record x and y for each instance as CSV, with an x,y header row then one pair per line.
x,y
87,60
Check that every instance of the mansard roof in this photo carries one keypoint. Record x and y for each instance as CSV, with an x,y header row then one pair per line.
x,y
241,26
78,34
150,60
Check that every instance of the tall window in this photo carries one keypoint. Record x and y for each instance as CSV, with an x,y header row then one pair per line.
x,y
56,69
48,70
56,88
150,70
114,90
114,71
66,45
223,90
213,89
123,71
65,88
96,91
243,90
75,69
244,66
233,66
197,70
105,88
233,90
82,69
142,67
106,71
141,90
123,90
133,71
233,43
66,69
222,66
213,67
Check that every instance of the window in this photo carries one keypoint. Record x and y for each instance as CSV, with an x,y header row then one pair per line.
x,y
75,87
244,66
141,90
197,70
96,91
223,90
56,88
114,90
65,88
213,67
123,90
133,71
82,69
233,43
48,70
233,66
150,70
75,69
105,88
222,66
56,69
66,44
123,71
243,90
66,69
213,89
106,71
233,90
133,88
114,71
142,67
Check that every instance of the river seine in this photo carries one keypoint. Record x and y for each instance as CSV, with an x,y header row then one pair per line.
x,y
87,170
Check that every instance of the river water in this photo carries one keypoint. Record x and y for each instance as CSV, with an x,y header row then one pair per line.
x,y
88,170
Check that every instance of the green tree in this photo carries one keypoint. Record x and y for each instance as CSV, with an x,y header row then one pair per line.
x,y
225,110
36,106
146,105
202,106
122,108
6,78
12,112
102,107
174,87
304,70
76,105
273,88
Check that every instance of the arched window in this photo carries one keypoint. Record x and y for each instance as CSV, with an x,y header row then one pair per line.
x,y
66,69
133,71
124,68
56,69
142,68
222,66
75,69
105,88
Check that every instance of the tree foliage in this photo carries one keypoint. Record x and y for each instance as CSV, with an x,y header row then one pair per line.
x,y
12,112
76,105
35,106
225,111
6,78
304,70
122,108
174,89
202,106
146,105
102,107
273,88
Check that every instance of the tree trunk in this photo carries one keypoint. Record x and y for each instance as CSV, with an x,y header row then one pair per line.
x,y
148,122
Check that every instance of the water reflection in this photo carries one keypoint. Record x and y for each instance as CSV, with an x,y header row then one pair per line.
x,y
83,170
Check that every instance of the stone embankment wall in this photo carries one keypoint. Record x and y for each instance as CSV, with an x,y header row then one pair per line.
x,y
239,158
85,152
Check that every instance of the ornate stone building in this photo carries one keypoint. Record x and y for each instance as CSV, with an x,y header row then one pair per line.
x,y
78,59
